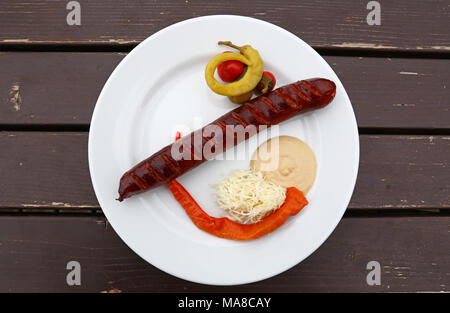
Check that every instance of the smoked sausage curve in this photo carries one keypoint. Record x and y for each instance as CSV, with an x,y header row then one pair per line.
x,y
266,110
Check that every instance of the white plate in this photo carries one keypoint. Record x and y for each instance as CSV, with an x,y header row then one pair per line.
x,y
161,84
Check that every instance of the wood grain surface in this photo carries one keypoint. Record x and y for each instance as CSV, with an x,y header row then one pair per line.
x,y
413,254
420,26
60,89
49,171
52,88
396,74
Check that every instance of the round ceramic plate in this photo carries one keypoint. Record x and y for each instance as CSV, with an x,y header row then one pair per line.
x,y
159,88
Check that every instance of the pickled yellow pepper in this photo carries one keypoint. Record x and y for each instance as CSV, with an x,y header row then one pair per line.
x,y
251,78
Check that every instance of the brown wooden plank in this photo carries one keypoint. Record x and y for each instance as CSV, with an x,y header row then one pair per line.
x,y
405,25
413,254
52,88
50,171
45,170
403,172
396,93
62,88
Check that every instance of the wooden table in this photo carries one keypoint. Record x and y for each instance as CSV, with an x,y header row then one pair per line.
x,y
397,75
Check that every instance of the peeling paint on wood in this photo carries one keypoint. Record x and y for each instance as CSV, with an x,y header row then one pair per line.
x,y
363,45
113,290
57,205
408,73
123,41
15,97
404,105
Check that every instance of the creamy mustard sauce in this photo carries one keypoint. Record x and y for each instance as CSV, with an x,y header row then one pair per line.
x,y
286,161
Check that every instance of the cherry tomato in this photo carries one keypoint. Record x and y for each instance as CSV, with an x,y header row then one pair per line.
x,y
274,81
230,70
267,82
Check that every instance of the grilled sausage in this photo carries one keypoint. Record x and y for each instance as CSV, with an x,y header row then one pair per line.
x,y
265,110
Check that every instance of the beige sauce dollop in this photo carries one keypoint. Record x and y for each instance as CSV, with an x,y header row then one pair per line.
x,y
287,162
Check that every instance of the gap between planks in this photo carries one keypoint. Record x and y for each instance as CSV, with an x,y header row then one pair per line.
x,y
324,51
349,213
68,128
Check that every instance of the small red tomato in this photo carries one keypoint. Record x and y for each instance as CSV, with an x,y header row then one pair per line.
x,y
274,81
177,136
230,70
267,82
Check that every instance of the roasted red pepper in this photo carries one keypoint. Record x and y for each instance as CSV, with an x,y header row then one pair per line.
x,y
226,228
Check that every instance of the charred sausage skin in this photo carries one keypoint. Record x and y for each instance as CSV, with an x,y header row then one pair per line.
x,y
268,109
